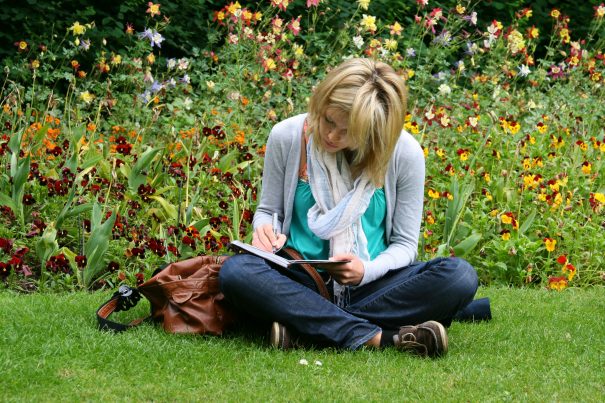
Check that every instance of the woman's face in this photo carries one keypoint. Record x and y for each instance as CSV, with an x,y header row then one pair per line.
x,y
333,126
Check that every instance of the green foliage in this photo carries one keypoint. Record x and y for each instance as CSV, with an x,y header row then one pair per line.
x,y
511,124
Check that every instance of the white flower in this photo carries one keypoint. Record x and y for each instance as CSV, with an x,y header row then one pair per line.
x,y
410,52
171,63
445,89
183,64
303,362
318,363
524,70
358,41
210,85
364,4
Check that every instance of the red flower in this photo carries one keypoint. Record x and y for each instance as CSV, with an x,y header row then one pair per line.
x,y
81,261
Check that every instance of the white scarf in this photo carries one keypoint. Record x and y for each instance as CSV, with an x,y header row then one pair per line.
x,y
339,204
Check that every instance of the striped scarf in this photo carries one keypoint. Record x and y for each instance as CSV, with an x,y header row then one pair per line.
x,y
340,202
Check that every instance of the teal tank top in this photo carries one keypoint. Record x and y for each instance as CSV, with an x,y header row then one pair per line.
x,y
311,247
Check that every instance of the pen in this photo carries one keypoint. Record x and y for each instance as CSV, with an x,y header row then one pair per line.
x,y
274,228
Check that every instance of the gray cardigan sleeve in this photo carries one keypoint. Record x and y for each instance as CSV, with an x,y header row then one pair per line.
x,y
280,173
404,190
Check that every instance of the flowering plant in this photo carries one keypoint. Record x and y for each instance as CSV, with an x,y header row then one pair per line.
x,y
118,161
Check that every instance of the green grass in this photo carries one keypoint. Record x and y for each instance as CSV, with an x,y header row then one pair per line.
x,y
540,346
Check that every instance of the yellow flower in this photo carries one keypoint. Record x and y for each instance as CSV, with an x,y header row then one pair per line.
x,y
586,168
116,59
550,244
87,97
390,44
396,28
153,9
600,197
433,194
151,58
77,29
514,127
505,235
270,64
369,22
364,4
516,43
299,51
506,219
460,9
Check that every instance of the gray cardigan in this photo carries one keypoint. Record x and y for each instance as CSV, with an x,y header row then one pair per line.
x,y
403,188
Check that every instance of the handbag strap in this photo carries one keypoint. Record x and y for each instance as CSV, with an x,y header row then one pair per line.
x,y
311,271
122,300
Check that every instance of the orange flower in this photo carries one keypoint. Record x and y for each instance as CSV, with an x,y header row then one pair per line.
x,y
570,270
557,283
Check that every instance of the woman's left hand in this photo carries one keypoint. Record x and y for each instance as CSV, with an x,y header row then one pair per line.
x,y
347,273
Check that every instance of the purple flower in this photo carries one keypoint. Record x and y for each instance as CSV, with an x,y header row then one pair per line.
x,y
156,87
85,44
472,18
185,79
155,38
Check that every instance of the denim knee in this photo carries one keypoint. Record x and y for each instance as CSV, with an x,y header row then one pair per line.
x,y
232,272
460,274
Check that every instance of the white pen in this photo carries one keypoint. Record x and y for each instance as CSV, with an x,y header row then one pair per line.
x,y
274,228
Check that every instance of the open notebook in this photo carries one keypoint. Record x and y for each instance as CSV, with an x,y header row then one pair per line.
x,y
281,261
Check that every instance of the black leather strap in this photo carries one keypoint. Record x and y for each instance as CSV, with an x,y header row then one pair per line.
x,y
122,300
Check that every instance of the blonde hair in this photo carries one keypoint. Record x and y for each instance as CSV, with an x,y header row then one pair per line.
x,y
374,97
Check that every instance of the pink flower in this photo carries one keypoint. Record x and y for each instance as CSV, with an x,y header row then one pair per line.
x,y
294,26
312,3
281,4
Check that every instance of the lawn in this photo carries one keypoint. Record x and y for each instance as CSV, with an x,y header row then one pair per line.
x,y
541,346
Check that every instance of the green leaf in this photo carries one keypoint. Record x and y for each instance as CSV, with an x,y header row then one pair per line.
x,y
467,244
96,246
47,244
527,222
7,201
14,144
168,208
136,178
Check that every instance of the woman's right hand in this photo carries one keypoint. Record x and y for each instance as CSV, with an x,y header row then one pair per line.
x,y
264,238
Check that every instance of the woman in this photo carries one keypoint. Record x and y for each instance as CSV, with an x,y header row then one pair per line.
x,y
347,184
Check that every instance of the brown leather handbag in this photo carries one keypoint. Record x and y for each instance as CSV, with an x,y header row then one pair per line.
x,y
184,298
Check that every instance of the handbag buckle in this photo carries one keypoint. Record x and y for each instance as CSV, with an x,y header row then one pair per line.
x,y
127,298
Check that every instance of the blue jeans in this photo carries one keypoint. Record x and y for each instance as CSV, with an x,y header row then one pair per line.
x,y
433,290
